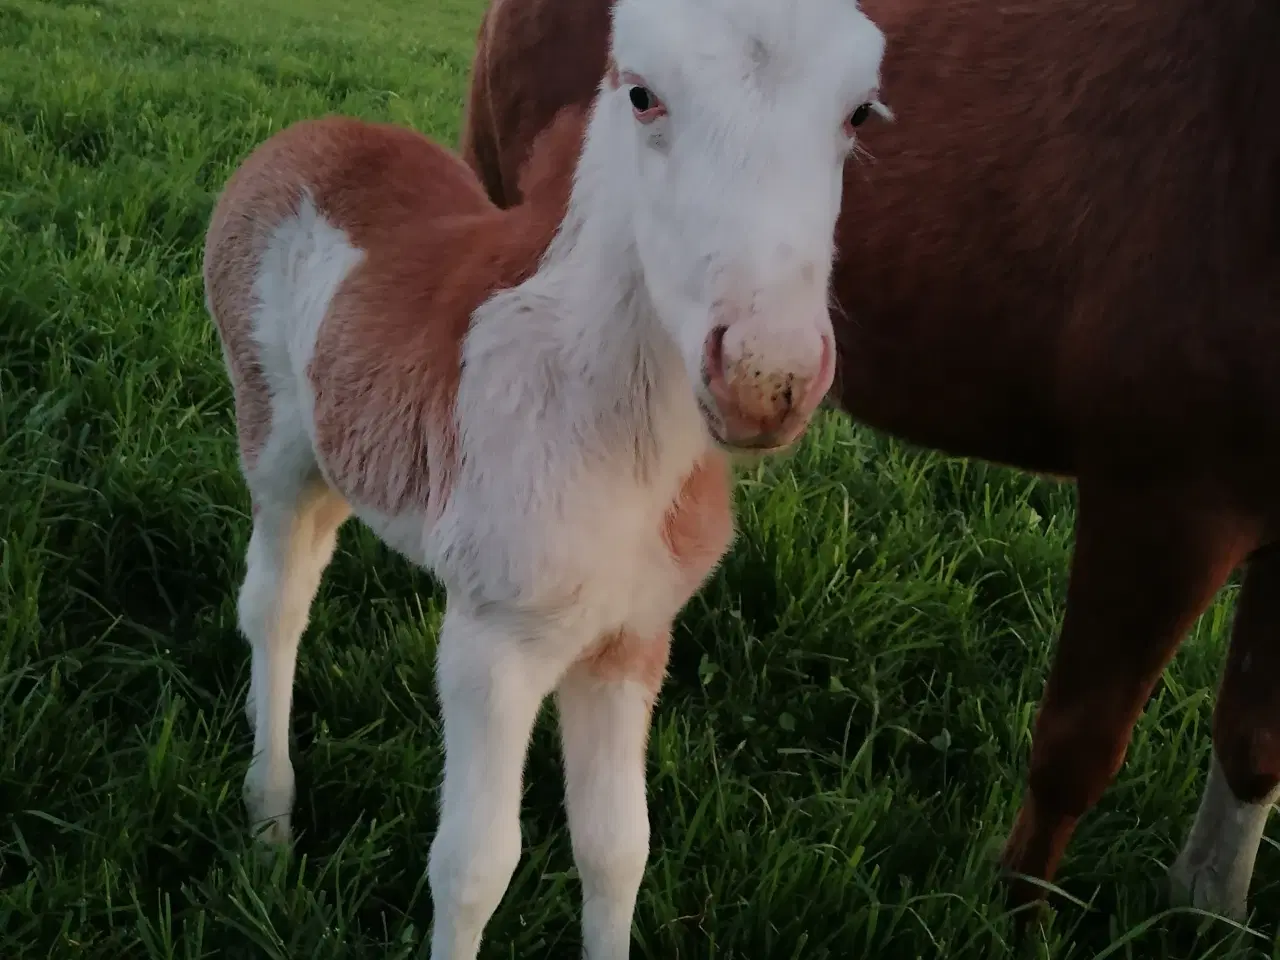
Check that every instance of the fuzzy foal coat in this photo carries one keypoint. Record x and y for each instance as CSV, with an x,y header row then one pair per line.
x,y
1066,257
350,268
383,184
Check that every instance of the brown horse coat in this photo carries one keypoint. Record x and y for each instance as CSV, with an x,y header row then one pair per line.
x,y
1065,256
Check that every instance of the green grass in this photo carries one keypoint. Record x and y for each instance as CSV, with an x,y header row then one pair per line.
x,y
842,742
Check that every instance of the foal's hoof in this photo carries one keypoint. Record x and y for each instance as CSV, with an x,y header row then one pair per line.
x,y
1204,887
269,806
272,832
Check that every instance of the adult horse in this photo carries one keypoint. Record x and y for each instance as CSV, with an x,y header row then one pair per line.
x,y
1066,257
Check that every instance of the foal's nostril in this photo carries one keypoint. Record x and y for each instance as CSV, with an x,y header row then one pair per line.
x,y
713,355
787,398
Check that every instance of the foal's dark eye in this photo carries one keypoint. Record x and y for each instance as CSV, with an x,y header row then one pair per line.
x,y
641,99
859,116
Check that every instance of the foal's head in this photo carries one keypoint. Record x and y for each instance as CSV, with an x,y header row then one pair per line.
x,y
729,124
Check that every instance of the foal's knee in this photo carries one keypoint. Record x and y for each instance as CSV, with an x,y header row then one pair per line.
x,y
611,855
469,878
257,601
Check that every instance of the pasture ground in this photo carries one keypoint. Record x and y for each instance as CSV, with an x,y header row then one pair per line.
x,y
842,742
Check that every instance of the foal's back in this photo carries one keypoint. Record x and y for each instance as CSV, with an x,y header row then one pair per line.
x,y
373,181
346,257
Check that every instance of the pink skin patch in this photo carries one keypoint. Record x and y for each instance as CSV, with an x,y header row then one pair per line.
x,y
629,656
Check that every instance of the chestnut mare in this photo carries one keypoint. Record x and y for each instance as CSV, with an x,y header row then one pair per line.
x,y
1066,257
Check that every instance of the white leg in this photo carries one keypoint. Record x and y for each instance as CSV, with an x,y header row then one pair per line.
x,y
288,551
605,705
492,681
1215,866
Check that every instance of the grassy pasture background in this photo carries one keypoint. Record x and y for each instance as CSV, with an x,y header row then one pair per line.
x,y
842,742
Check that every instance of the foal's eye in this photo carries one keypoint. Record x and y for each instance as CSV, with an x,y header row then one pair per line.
x,y
857,118
644,104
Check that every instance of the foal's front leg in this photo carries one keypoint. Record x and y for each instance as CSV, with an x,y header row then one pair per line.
x,y
492,680
605,701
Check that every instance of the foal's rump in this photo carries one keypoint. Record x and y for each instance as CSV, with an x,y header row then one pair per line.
x,y
310,211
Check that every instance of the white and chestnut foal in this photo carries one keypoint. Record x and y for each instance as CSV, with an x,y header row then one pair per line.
x,y
535,403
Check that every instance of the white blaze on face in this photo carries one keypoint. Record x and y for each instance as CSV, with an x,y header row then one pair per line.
x,y
741,116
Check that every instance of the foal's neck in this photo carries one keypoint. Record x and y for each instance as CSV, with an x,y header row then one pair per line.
x,y
607,327
579,348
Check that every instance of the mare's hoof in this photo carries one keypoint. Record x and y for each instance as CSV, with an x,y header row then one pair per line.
x,y
1201,886
1026,902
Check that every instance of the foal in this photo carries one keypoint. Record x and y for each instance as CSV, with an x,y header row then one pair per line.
x,y
537,410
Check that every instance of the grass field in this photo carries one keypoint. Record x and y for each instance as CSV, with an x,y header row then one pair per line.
x,y
842,742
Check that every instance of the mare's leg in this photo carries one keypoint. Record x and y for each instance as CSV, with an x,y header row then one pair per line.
x,y
1216,864
1146,564
478,143
605,701
292,543
492,678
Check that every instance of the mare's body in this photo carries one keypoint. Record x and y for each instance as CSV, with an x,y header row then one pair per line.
x,y
1064,256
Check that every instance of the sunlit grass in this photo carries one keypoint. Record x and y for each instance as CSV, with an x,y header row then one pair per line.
x,y
842,742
